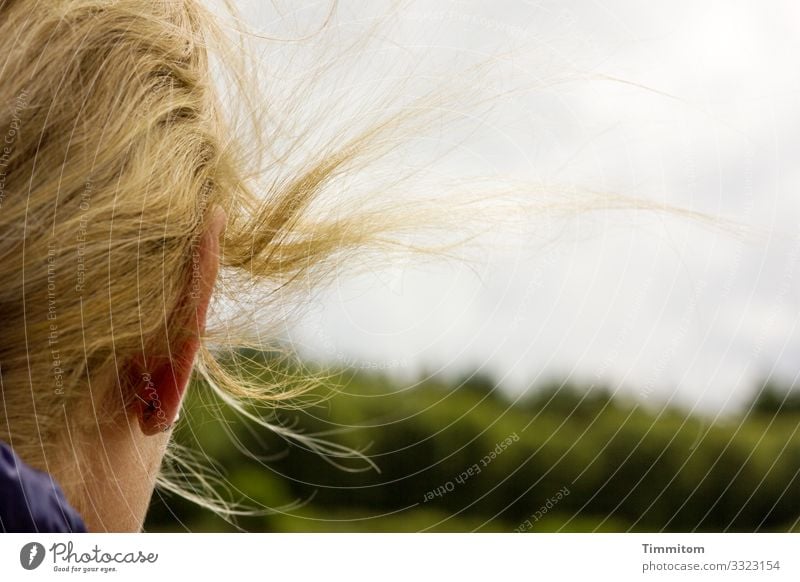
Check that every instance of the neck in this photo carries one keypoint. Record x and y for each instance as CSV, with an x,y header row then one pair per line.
x,y
112,482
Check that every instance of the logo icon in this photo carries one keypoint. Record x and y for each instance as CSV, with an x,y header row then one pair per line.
x,y
31,555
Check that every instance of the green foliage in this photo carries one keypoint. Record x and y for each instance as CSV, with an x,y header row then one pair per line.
x,y
773,399
460,456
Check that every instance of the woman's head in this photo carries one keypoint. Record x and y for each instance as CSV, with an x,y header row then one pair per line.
x,y
115,182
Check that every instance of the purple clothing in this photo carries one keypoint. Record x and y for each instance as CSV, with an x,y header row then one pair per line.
x,y
31,501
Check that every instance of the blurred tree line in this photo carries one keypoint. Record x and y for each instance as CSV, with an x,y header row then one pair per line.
x,y
464,456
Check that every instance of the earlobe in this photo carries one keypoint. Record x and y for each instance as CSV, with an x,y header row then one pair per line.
x,y
152,418
160,394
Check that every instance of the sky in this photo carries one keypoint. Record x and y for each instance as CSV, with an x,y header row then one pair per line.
x,y
683,103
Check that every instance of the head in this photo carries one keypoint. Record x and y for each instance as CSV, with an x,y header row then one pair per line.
x,y
115,191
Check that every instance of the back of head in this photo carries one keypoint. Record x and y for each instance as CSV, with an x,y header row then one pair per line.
x,y
111,155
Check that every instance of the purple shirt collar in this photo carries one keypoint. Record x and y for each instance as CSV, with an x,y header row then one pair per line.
x,y
31,500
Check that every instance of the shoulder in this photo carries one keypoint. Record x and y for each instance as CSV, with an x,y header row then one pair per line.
x,y
31,500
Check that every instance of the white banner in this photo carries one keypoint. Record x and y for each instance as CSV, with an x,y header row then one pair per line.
x,y
401,557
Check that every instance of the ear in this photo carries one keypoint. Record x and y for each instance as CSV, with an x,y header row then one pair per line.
x,y
163,384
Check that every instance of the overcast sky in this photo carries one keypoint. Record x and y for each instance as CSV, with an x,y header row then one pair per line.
x,y
706,118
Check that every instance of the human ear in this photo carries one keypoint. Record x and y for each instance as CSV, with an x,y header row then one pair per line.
x,y
161,387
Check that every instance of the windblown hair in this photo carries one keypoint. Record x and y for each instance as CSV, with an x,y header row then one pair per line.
x,y
114,149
